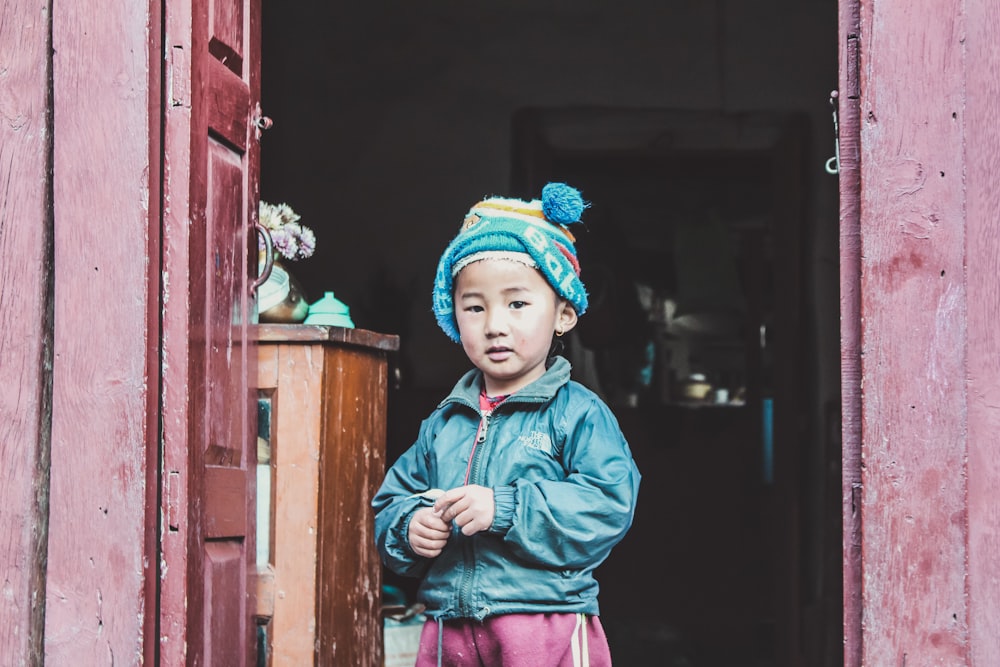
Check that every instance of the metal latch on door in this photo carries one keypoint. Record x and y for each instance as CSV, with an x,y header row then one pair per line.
x,y
833,164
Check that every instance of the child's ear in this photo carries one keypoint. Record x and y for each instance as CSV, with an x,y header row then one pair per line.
x,y
565,318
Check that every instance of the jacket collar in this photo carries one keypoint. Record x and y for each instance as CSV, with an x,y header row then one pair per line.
x,y
557,373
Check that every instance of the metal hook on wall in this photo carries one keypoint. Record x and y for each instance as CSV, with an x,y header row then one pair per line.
x,y
833,164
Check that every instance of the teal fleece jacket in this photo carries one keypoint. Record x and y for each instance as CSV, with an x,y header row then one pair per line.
x,y
565,488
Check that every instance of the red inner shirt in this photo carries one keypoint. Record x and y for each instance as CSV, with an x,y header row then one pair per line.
x,y
487,404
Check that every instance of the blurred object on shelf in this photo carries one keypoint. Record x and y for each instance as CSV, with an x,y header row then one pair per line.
x,y
280,299
330,311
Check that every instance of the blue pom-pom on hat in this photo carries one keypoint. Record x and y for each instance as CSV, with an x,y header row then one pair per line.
x,y
536,228
562,203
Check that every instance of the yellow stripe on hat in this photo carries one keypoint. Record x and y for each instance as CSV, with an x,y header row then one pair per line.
x,y
532,216
530,212
513,206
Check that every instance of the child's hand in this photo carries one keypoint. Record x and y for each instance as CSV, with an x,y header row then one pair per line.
x,y
470,507
428,532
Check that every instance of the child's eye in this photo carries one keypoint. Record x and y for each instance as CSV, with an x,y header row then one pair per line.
x,y
473,309
518,304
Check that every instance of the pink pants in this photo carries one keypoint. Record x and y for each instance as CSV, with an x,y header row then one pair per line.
x,y
516,640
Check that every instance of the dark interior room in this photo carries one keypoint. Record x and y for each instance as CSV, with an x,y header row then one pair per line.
x,y
699,131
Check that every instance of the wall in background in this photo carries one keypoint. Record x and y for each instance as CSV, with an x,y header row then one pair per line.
x,y
392,119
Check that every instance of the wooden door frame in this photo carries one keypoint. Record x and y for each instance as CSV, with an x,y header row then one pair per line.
x,y
849,139
79,342
919,259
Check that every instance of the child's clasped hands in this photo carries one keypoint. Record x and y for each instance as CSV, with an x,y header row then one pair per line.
x,y
470,508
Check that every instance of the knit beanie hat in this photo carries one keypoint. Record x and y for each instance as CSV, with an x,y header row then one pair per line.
x,y
532,232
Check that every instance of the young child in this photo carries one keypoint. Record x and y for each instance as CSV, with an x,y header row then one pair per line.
x,y
520,482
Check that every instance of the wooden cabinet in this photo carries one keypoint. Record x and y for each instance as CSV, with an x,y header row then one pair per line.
x,y
321,457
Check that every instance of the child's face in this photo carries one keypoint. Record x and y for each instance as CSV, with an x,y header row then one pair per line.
x,y
507,314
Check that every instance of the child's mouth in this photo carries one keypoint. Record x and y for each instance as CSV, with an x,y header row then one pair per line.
x,y
498,353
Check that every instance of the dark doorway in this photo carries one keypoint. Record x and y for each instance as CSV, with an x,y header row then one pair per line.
x,y
691,256
390,121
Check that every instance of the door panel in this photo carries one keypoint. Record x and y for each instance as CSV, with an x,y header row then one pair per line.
x,y
224,567
228,98
225,502
226,31
210,202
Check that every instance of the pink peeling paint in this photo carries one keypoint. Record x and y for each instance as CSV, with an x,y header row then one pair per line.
x,y
922,589
25,329
982,139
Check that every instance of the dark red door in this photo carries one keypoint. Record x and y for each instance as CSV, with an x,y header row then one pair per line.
x,y
210,197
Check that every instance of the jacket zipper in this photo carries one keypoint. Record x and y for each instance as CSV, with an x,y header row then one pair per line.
x,y
472,475
484,427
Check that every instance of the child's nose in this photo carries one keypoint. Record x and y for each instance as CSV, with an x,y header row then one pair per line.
x,y
496,322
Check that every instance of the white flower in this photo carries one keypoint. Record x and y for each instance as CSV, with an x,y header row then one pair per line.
x,y
290,238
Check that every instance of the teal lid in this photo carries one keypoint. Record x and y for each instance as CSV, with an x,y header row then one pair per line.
x,y
330,311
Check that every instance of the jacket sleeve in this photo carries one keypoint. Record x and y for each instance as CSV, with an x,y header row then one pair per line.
x,y
575,522
394,506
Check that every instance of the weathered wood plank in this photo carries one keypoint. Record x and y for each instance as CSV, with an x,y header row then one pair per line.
x,y
913,334
25,326
352,465
850,329
176,409
982,166
104,426
295,446
316,333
